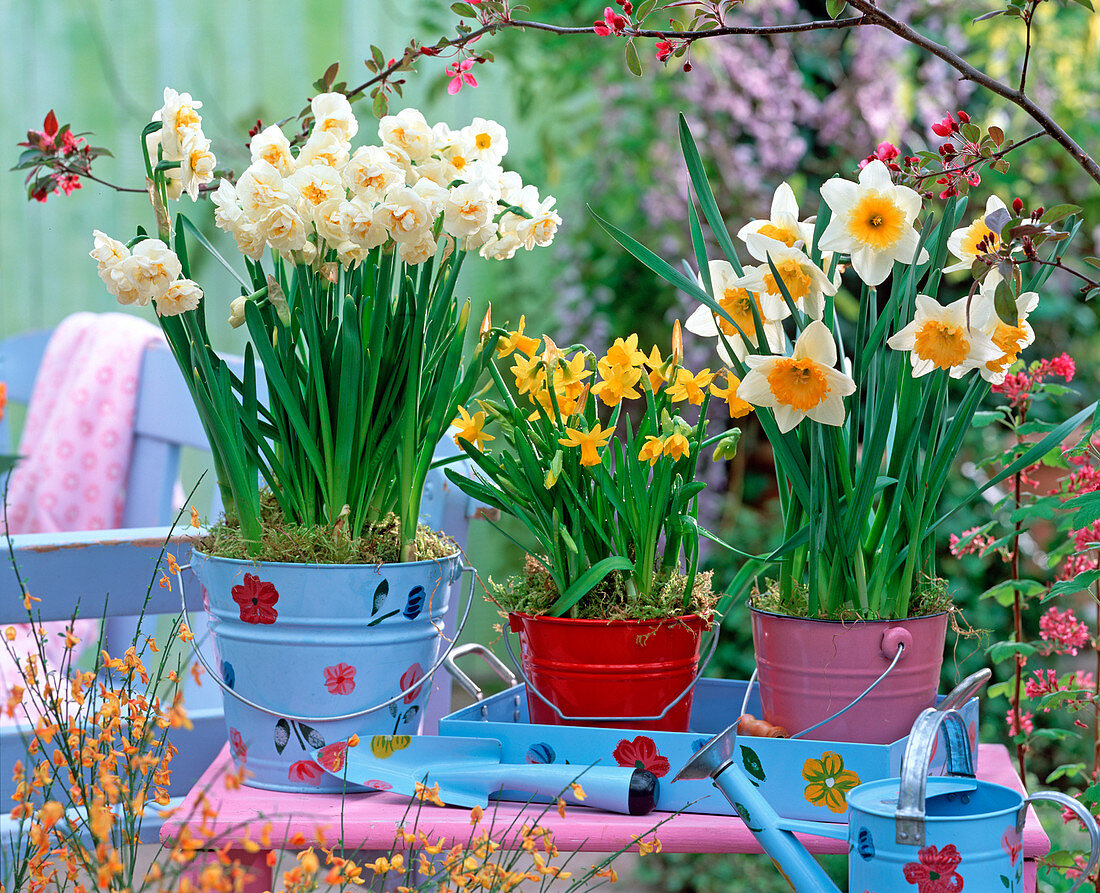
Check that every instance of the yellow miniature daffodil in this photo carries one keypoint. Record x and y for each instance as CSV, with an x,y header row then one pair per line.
x,y
736,405
690,387
952,337
677,446
517,341
658,369
803,384
470,429
588,441
530,374
569,376
624,352
651,450
616,382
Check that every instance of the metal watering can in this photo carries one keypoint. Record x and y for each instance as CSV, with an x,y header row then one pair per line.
x,y
927,835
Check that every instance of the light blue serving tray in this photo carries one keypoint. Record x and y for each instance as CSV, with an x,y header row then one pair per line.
x,y
782,767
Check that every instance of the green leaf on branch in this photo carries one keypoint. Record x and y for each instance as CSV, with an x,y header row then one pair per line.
x,y
1059,212
1005,591
1002,651
465,10
1079,583
835,7
632,60
1068,770
984,418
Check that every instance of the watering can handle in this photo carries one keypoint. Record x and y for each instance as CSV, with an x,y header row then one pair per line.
x,y
909,817
417,684
715,627
1086,819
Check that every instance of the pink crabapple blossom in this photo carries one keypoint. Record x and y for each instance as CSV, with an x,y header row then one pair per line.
x,y
459,73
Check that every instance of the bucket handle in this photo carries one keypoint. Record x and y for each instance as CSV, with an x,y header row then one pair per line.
x,y
419,683
1083,814
716,627
909,816
495,664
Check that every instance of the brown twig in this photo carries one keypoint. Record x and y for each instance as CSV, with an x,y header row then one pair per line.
x,y
1090,283
996,155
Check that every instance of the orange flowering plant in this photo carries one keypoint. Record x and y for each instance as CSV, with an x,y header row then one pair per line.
x,y
865,438
600,469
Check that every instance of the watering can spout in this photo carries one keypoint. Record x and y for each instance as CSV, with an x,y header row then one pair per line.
x,y
715,761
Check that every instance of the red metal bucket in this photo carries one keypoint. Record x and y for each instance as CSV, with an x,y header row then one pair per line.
x,y
594,669
810,669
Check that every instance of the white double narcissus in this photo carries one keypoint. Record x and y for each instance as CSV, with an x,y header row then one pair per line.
x,y
872,222
736,303
803,385
963,242
272,146
782,224
806,284
952,337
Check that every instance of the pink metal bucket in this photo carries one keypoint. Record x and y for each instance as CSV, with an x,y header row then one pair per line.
x,y
811,669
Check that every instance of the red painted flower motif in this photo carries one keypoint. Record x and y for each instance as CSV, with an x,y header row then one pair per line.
x,y
641,753
257,600
379,785
340,679
240,749
1012,844
307,771
935,872
408,679
332,756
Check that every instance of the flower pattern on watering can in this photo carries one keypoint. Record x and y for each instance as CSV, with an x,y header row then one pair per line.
x,y
935,871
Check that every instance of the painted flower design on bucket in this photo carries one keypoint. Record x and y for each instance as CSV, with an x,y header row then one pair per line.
x,y
228,674
256,599
409,679
307,771
935,872
641,753
240,749
829,781
340,679
377,785
332,756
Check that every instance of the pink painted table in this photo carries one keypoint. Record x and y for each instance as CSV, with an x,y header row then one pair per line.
x,y
370,820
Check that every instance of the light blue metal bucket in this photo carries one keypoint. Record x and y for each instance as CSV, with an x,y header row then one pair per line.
x,y
310,654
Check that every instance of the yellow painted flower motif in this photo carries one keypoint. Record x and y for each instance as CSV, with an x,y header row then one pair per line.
x,y
676,446
651,450
829,781
624,352
588,441
530,374
616,381
385,746
470,429
516,340
737,406
690,387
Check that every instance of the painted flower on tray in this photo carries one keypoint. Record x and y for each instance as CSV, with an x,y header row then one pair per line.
x,y
236,742
306,771
935,872
332,756
829,781
409,679
340,679
377,785
385,746
641,753
257,600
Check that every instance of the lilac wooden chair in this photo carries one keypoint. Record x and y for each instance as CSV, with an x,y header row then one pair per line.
x,y
87,566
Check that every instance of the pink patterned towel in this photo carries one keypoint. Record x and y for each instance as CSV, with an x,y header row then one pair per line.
x,y
76,446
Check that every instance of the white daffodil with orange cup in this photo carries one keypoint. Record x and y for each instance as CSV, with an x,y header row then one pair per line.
x,y
865,416
864,439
